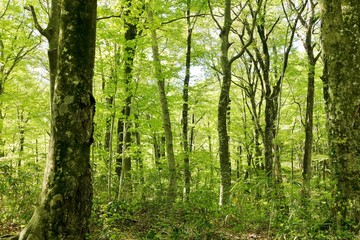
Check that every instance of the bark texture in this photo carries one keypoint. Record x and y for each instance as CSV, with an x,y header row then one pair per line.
x,y
65,201
165,117
185,109
224,99
341,33
309,45
125,123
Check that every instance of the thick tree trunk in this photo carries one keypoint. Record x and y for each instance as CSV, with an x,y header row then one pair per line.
x,y
65,201
341,33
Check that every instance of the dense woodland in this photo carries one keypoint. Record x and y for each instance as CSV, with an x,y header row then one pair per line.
x,y
185,119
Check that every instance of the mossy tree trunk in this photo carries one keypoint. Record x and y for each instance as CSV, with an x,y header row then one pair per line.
x,y
341,33
65,201
124,123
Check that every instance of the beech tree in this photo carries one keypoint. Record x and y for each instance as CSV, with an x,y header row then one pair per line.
x,y
172,189
65,201
226,61
340,38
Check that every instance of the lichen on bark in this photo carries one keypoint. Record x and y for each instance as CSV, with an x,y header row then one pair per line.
x,y
65,201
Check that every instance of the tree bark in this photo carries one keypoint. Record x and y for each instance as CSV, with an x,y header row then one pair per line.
x,y
312,59
185,109
65,200
341,33
165,117
130,47
224,99
51,32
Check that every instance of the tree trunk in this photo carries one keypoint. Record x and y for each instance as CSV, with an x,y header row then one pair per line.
x,y
166,118
2,82
224,99
341,45
51,32
130,47
185,109
308,145
65,201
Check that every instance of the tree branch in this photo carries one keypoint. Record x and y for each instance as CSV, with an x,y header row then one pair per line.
x,y
5,10
184,17
213,16
108,17
250,31
42,31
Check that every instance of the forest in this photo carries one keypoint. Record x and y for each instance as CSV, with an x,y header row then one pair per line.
x,y
183,119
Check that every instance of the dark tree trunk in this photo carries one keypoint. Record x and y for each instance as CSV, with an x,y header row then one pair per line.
x,y
119,147
125,142
341,33
185,109
312,59
224,98
272,91
65,201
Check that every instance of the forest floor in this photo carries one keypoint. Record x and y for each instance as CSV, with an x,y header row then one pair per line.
x,y
142,230
171,224
125,223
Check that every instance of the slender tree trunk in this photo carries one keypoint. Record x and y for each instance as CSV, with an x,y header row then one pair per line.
x,y
65,201
166,119
139,158
309,125
108,124
109,152
185,109
341,33
272,91
51,32
21,126
264,60
308,145
224,99
2,82
119,147
125,142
